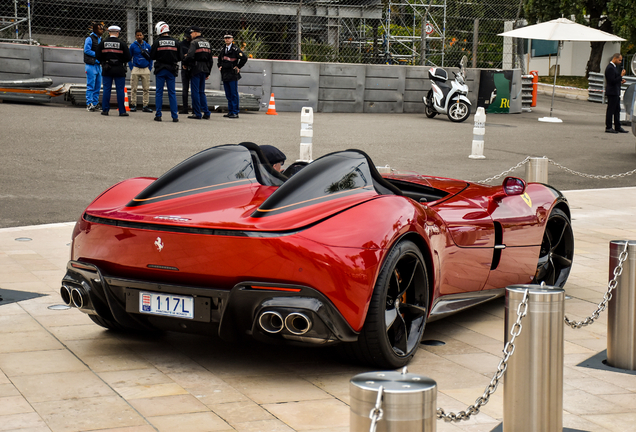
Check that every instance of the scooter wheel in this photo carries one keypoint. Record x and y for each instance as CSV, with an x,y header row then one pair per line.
x,y
458,111
430,112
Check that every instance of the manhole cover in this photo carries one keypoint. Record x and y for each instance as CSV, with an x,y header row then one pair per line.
x,y
23,239
59,307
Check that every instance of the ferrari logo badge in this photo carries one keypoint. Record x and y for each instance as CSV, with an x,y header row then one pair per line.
x,y
527,199
159,244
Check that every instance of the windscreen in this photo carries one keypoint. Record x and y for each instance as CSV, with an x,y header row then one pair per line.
x,y
212,169
329,177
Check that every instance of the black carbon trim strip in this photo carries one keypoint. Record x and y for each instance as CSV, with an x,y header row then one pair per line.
x,y
190,230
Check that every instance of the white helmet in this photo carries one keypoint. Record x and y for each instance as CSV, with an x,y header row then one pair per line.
x,y
162,28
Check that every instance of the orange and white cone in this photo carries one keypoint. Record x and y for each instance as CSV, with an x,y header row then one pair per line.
x,y
271,110
126,100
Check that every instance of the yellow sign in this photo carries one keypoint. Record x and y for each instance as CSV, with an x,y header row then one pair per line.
x,y
505,103
527,199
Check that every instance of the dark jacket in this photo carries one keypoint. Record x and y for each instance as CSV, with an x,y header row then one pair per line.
x,y
199,58
184,45
228,60
166,54
613,80
113,54
90,46
140,55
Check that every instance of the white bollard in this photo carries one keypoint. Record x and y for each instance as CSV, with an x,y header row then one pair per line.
x,y
479,130
306,133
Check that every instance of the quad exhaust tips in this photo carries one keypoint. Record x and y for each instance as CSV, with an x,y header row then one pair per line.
x,y
296,323
74,297
271,322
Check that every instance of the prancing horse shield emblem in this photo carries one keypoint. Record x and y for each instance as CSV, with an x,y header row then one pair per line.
x,y
159,244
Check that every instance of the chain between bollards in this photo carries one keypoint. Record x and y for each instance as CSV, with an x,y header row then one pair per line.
x,y
376,413
508,350
606,298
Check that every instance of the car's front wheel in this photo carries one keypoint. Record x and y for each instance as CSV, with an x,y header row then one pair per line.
x,y
557,250
397,312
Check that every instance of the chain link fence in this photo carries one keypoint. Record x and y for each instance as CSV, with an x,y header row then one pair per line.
x,y
412,32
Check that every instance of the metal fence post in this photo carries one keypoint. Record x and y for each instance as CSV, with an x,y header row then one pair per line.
x,y
408,402
621,311
537,170
533,383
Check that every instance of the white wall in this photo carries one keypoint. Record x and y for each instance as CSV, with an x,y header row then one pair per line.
x,y
573,58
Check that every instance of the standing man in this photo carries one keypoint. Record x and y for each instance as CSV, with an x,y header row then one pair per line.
x,y
231,61
199,60
185,71
92,67
140,67
113,54
614,77
167,55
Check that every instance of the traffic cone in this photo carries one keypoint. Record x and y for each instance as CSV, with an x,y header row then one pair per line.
x,y
126,100
271,110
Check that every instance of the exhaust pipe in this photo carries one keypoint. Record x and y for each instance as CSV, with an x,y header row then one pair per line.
x,y
77,297
65,292
297,323
271,322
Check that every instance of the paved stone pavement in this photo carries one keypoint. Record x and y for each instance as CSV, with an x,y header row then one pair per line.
x,y
60,372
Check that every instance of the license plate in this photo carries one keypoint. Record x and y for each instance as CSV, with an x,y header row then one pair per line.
x,y
166,305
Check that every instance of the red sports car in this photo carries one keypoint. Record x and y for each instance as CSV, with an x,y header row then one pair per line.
x,y
336,253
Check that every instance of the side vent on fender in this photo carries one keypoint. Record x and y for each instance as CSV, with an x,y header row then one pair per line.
x,y
499,246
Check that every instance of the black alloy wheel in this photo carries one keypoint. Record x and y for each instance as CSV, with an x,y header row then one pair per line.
x,y
557,251
429,111
398,310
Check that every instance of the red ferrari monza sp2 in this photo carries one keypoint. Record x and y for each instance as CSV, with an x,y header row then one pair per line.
x,y
336,253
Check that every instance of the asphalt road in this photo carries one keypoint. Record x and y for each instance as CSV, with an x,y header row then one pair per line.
x,y
56,157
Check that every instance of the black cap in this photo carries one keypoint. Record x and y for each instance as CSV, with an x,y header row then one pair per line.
x,y
195,29
272,154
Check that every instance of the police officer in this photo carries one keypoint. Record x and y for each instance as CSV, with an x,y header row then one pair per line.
x,y
231,60
199,60
185,71
92,67
167,54
113,55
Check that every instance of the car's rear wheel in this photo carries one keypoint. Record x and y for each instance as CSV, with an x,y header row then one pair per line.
x,y
557,250
397,312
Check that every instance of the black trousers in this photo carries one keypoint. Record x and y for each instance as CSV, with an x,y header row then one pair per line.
x,y
185,87
613,112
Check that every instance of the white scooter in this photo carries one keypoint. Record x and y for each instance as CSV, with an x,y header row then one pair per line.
x,y
444,99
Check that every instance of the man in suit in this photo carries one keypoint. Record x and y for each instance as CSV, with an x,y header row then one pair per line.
x,y
614,78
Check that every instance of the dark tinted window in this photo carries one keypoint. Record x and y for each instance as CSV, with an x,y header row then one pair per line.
x,y
329,177
212,169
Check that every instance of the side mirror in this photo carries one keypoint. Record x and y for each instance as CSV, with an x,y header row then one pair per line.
x,y
513,186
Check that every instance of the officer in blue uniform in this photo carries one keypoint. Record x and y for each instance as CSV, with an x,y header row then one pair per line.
x,y
113,54
231,61
92,67
166,53
199,61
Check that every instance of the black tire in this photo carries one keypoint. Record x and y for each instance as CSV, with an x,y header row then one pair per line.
x,y
397,312
557,251
458,111
428,108
106,323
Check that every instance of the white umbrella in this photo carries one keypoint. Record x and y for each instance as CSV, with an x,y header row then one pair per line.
x,y
561,29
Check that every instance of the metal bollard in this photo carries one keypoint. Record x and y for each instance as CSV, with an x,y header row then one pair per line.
x,y
306,133
533,383
479,130
537,170
621,311
409,402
